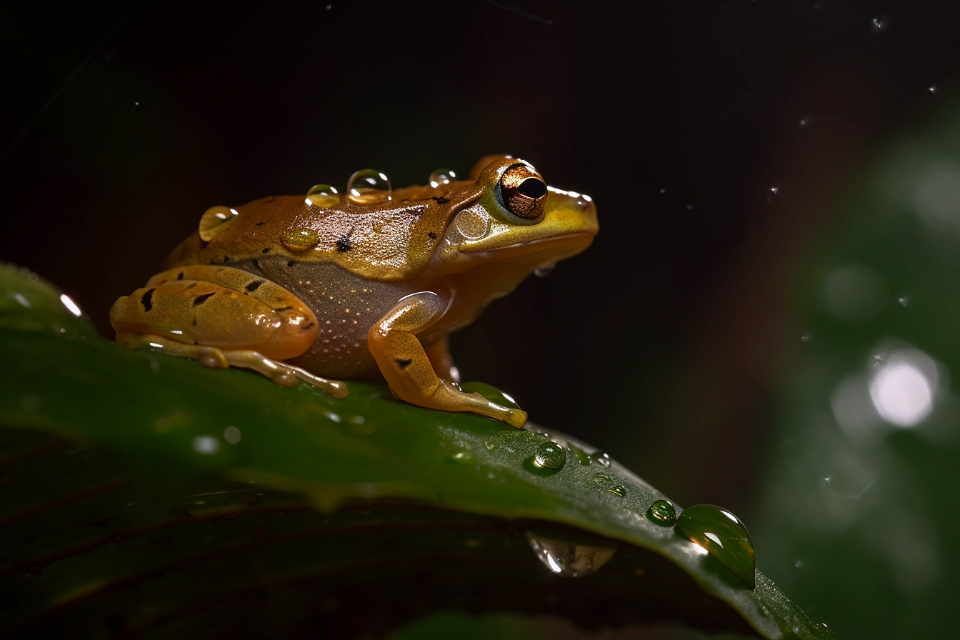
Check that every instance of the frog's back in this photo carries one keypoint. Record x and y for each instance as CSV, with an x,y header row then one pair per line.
x,y
387,240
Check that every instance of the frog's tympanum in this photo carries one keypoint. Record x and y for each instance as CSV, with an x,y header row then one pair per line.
x,y
370,282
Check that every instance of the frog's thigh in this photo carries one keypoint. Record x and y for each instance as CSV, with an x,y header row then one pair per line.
x,y
222,316
218,307
438,352
404,362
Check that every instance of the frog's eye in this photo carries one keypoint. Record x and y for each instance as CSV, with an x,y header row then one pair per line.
x,y
523,191
214,221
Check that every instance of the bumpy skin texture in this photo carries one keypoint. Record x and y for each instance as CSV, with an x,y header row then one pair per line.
x,y
320,287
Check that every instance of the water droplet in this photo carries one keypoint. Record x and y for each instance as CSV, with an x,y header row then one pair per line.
x,y
300,239
490,445
663,191
933,88
206,444
154,365
609,483
322,195
774,190
22,300
584,458
723,536
368,186
491,393
543,272
904,301
804,122
663,513
461,457
551,455
603,460
571,558
441,177
232,435
214,221
322,190
806,338
798,564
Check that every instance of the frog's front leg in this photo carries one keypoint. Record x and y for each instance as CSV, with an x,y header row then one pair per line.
x,y
222,317
408,369
438,352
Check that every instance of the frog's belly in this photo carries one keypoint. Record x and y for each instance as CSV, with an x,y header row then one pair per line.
x,y
346,306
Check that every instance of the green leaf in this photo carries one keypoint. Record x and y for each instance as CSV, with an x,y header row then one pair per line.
x,y
146,494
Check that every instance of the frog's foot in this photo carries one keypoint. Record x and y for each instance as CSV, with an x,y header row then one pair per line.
x,y
285,375
408,368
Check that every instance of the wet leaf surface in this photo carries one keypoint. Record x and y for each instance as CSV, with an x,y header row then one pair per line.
x,y
145,495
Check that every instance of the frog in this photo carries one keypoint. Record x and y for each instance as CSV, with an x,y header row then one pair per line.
x,y
367,284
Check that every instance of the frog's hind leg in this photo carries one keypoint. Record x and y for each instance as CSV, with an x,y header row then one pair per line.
x,y
222,317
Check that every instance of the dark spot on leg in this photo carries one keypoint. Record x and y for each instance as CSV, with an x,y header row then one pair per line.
x,y
290,263
191,286
253,285
307,326
343,244
147,300
199,300
203,244
180,276
403,363
226,258
284,309
440,199
260,224
431,235
193,322
256,263
266,250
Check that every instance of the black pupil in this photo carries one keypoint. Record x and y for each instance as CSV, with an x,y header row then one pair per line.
x,y
532,188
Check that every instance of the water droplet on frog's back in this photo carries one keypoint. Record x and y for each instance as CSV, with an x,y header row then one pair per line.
x,y
441,177
322,195
570,558
369,186
550,455
723,536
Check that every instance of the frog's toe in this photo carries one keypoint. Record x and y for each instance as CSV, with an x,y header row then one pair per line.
x,y
283,374
515,418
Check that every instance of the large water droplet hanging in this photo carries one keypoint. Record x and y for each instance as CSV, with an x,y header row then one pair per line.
x,y
723,535
603,460
663,513
369,186
571,558
550,455
441,177
300,239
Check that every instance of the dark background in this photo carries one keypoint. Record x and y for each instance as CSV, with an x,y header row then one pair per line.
x,y
715,137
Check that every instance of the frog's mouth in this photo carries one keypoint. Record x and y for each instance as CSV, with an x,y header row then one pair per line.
x,y
565,231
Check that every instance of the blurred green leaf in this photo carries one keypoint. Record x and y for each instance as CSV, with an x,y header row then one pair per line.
x,y
147,495
861,481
